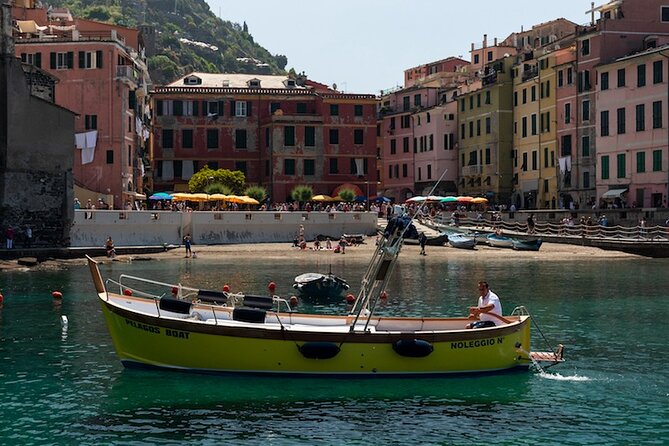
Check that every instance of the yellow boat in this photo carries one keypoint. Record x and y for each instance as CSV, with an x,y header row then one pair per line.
x,y
159,325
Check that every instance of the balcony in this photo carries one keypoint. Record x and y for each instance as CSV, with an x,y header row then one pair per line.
x,y
126,73
472,170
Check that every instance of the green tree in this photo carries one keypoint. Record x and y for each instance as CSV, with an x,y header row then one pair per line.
x,y
257,192
347,195
234,180
218,188
302,193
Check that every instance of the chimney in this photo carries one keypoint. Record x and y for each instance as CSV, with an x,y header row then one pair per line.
x,y
6,38
485,40
495,41
472,46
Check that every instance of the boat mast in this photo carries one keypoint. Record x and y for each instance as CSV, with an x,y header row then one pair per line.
x,y
380,269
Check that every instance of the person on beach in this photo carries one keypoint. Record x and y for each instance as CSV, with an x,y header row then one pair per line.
x,y
109,247
187,245
342,244
488,306
422,241
530,224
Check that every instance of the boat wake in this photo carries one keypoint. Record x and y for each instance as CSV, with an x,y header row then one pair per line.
x,y
558,377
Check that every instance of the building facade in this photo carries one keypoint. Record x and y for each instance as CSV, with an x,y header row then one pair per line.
x,y
103,78
280,132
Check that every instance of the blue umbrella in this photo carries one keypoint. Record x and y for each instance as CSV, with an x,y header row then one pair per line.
x,y
160,196
382,200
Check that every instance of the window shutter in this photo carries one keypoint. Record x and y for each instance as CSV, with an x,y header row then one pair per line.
x,y
159,107
232,108
82,59
98,58
38,60
70,59
178,108
52,56
205,110
221,109
195,110
248,108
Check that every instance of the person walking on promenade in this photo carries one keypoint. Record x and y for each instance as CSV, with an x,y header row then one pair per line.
x,y
187,245
422,241
9,237
530,224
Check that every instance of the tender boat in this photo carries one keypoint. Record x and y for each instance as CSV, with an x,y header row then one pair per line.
x,y
461,241
171,326
527,245
319,285
500,241
432,240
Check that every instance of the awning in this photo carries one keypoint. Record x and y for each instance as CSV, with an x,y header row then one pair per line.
x,y
613,193
27,26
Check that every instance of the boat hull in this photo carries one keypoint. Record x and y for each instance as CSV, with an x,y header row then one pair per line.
x,y
500,241
227,346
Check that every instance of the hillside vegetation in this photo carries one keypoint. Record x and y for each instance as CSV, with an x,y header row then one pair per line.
x,y
189,37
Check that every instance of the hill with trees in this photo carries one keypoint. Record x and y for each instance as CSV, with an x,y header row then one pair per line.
x,y
189,37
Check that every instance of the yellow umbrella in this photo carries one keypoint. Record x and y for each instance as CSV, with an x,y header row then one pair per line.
x,y
181,196
479,200
249,200
235,199
218,197
199,197
322,198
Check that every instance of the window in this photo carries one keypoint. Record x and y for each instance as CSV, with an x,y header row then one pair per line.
x,y
471,102
240,139
241,167
605,167
301,108
604,81
524,127
187,139
585,146
657,160
289,135
585,110
487,155
524,95
168,139
110,157
515,98
405,144
406,103
535,158
586,180
533,93
657,114
334,166
416,100
570,76
620,158
524,165
212,139
621,120
487,97
585,47
489,56
90,59
241,108
664,13
545,156
640,162
357,110
393,146
289,166
621,77
309,136
566,145
32,59
462,131
657,72
560,78
91,122
476,56
309,167
405,170
478,100
274,106
334,136
487,125
641,75
640,117
62,61
567,113
533,120
471,129
358,136
604,124
478,127
462,105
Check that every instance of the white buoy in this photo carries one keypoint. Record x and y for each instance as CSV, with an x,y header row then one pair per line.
x,y
63,322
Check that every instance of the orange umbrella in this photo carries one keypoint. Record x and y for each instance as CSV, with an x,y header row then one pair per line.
x,y
479,200
464,199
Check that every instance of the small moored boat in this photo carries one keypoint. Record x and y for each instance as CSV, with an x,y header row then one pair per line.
x,y
319,285
500,241
461,241
172,326
527,245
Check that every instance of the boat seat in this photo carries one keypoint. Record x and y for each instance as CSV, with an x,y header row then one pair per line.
x,y
174,305
245,314
218,297
262,302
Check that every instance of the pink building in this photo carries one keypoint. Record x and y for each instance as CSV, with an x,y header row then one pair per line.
x,y
103,78
632,129
442,73
624,27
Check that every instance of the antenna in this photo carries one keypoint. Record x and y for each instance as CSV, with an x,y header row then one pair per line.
x,y
334,86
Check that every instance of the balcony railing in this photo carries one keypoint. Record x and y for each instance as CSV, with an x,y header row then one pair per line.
x,y
126,72
472,170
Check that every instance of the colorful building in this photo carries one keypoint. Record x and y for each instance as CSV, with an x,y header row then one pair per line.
x,y
632,132
280,132
103,78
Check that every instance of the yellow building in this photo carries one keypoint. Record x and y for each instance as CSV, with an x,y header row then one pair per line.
x,y
534,130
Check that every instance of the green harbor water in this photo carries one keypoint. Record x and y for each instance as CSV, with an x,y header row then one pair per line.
x,y
66,386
